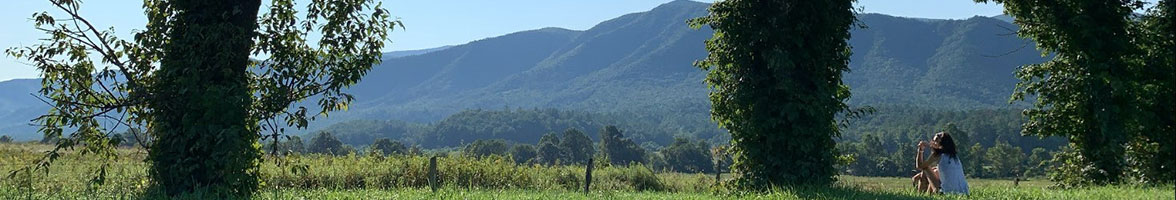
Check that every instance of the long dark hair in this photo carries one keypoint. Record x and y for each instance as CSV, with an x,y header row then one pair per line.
x,y
946,144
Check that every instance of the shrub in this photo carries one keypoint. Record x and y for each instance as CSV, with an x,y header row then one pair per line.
x,y
576,146
389,146
325,143
618,149
686,155
549,152
523,153
482,148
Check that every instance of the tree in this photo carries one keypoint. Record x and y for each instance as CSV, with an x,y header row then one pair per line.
x,y
1006,160
482,148
618,149
576,146
657,161
960,137
326,143
974,163
415,150
5,139
688,156
523,153
294,144
50,139
1151,153
1037,162
389,146
188,79
135,138
289,145
775,69
549,151
1091,90
117,139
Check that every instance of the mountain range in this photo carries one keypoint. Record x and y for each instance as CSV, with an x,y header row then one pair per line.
x,y
642,62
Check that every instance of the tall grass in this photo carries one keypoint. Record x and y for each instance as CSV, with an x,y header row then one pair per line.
x,y
406,177
352,172
493,172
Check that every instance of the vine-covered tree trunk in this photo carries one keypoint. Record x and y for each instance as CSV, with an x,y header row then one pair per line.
x,y
188,79
1087,91
205,135
775,69
1158,145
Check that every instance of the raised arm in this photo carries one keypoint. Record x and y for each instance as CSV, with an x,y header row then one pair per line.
x,y
921,164
919,157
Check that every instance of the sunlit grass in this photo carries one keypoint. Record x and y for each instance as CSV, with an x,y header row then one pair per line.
x,y
400,177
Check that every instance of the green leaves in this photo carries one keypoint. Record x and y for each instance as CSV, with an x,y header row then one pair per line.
x,y
688,156
576,146
353,34
775,71
618,149
1093,90
190,82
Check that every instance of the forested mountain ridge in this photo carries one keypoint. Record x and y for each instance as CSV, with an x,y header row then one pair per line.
x,y
636,58
912,69
642,63
18,106
954,64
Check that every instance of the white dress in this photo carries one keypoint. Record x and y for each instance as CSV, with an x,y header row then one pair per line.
x,y
951,176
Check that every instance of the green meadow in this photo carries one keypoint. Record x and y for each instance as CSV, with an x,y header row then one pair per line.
x,y
405,177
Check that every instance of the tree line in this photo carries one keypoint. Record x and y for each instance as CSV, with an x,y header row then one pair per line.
x,y
525,126
569,147
878,144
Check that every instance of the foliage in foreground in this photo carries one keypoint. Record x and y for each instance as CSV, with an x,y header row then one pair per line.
x,y
1108,87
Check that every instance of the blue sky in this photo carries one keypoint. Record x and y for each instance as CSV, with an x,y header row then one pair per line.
x,y
433,23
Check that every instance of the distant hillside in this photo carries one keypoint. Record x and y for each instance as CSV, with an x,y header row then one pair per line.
x,y
958,64
405,53
18,106
642,63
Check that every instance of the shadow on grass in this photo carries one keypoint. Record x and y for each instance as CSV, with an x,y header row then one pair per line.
x,y
845,192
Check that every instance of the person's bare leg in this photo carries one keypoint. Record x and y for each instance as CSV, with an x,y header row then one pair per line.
x,y
920,182
933,179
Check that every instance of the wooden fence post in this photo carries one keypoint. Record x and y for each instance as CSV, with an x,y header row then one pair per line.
x,y
433,173
588,176
718,172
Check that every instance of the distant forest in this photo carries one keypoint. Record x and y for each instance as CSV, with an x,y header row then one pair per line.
x,y
526,126
877,144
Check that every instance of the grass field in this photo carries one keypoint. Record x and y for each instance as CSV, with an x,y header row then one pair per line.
x,y
399,177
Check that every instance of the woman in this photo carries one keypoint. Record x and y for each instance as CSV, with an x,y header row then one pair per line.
x,y
943,172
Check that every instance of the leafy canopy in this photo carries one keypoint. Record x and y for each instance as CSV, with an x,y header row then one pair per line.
x,y
188,79
1107,88
774,71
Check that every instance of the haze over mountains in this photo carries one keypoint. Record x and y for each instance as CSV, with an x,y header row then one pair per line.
x,y
642,63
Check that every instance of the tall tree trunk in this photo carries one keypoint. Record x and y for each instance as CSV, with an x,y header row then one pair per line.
x,y
775,73
206,140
